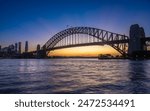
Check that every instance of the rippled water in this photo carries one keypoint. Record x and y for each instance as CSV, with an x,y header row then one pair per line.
x,y
74,76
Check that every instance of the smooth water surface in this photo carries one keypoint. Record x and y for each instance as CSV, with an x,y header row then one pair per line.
x,y
74,76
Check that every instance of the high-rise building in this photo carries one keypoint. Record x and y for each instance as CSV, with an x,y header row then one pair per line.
x,y
19,47
0,48
26,46
16,47
38,47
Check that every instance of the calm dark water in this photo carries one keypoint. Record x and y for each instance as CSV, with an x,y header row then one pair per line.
x,y
74,76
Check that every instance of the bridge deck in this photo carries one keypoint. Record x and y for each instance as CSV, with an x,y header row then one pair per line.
x,y
90,44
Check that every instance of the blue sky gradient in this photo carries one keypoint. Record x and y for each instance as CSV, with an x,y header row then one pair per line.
x,y
38,20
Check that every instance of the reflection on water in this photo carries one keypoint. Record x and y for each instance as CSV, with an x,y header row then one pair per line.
x,y
74,76
140,76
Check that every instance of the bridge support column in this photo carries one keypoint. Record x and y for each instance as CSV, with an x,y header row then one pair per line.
x,y
41,53
135,43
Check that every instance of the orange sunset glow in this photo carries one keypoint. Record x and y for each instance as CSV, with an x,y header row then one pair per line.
x,y
88,51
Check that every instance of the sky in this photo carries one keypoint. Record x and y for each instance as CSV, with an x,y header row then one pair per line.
x,y
38,20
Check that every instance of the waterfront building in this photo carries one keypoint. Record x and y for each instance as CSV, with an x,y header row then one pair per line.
x,y
16,47
26,46
19,47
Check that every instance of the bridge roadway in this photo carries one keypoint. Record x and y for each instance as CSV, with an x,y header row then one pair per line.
x,y
87,44
91,44
95,43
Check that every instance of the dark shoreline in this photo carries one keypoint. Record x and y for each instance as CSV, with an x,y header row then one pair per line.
x,y
80,58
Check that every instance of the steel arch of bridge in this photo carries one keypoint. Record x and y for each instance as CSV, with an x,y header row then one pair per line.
x,y
117,41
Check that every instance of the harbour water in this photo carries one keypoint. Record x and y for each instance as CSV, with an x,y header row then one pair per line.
x,y
77,76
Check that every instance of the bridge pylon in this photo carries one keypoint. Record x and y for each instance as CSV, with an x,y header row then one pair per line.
x,y
135,43
42,53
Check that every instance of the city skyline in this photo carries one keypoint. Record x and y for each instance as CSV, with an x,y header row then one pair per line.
x,y
36,22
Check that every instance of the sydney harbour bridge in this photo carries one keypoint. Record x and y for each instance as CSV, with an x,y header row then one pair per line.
x,y
88,36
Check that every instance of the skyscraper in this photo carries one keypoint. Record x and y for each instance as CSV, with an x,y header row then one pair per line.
x,y
16,47
0,48
26,46
19,47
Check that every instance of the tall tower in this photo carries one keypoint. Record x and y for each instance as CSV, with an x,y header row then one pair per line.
x,y
26,46
16,47
135,43
19,47
0,48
